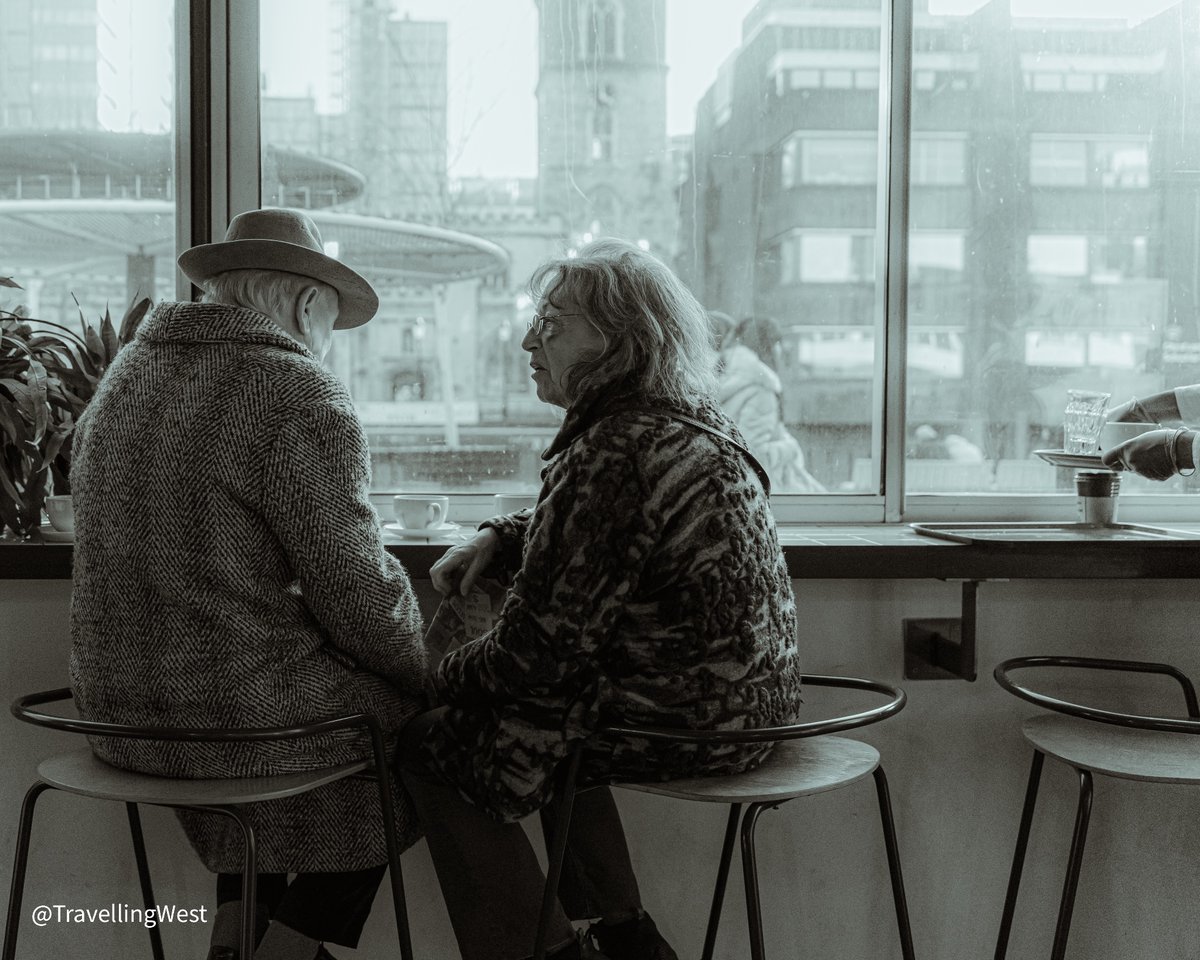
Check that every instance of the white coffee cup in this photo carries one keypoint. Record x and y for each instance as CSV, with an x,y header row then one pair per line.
x,y
417,511
512,502
1115,433
61,513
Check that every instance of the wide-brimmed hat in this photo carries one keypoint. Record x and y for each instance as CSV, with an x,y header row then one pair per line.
x,y
286,240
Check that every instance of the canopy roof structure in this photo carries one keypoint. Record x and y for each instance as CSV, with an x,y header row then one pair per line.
x,y
57,216
48,238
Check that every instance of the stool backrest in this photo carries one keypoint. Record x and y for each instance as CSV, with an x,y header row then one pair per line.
x,y
896,699
1143,722
25,708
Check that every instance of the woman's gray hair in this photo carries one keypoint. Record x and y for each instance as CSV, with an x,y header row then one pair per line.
x,y
272,292
657,336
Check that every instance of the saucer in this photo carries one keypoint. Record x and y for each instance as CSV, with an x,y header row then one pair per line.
x,y
50,535
424,533
1060,458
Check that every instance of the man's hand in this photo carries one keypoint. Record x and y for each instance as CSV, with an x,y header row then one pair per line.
x,y
1148,454
461,566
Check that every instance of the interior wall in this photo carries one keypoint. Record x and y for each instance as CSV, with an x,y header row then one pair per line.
x,y
955,760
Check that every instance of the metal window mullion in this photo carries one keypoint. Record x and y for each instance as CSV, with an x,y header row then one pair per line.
x,y
895,102
192,193
243,170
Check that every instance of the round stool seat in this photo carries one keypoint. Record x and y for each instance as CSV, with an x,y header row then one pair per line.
x,y
82,772
1125,752
795,768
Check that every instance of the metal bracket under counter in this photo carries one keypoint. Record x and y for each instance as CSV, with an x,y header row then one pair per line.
x,y
943,648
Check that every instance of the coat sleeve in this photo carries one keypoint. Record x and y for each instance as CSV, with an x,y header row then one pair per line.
x,y
315,499
511,529
587,546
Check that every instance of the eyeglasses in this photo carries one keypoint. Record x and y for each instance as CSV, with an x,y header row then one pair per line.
x,y
537,322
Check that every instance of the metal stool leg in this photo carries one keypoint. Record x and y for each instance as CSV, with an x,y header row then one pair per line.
x,y
1071,882
387,809
143,868
750,876
714,913
249,882
1014,876
893,855
20,862
557,853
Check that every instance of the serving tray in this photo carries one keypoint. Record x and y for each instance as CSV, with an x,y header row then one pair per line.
x,y
1025,533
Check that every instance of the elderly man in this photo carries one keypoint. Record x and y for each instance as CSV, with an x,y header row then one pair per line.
x,y
229,571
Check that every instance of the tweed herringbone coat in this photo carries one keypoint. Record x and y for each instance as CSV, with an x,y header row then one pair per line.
x,y
650,589
229,572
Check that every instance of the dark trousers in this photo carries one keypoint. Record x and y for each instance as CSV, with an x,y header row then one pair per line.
x,y
490,876
331,907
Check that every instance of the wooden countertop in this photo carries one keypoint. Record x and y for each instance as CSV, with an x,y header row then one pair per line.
x,y
827,552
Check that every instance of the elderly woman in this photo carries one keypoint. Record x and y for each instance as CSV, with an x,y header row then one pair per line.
x,y
648,588
229,572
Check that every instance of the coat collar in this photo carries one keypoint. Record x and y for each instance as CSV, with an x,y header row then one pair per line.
x,y
621,399
214,323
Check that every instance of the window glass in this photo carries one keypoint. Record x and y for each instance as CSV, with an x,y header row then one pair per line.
x,y
87,180
1067,257
839,160
447,147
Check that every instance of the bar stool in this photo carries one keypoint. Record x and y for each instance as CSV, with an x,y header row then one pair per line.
x,y
1094,741
804,761
81,773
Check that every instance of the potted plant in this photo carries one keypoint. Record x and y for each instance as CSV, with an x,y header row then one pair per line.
x,y
48,375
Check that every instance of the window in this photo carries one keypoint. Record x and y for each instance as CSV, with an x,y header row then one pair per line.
x,y
830,159
448,149
938,160
602,26
1057,263
1112,163
602,132
1058,163
87,160
827,257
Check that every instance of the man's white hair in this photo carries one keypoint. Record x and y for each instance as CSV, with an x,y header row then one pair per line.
x,y
272,292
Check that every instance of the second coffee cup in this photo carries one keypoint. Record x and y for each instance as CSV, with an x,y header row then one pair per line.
x,y
416,511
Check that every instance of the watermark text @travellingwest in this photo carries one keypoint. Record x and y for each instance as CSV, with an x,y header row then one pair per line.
x,y
46,914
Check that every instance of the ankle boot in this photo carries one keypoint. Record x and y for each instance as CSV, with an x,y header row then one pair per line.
x,y
636,939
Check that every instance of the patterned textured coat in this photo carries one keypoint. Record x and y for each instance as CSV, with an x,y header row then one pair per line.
x,y
650,588
229,572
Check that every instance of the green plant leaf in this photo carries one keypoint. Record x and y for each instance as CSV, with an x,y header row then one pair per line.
x,y
38,387
95,345
9,488
108,336
133,318
12,422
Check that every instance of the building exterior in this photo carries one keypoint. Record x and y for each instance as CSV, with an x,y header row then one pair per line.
x,y
1055,184
603,164
49,76
393,127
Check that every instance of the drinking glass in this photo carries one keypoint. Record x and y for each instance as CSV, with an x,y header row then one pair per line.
x,y
1083,420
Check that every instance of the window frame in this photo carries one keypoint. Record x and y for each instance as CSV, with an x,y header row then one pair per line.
x,y
218,171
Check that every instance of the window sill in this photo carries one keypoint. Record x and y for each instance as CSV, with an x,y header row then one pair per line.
x,y
822,552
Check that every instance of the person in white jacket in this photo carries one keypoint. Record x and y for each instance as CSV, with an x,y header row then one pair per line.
x,y
749,391
1159,454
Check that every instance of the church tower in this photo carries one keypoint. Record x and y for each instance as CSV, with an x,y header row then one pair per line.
x,y
602,120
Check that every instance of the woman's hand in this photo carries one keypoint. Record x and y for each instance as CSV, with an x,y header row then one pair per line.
x,y
1150,454
461,566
